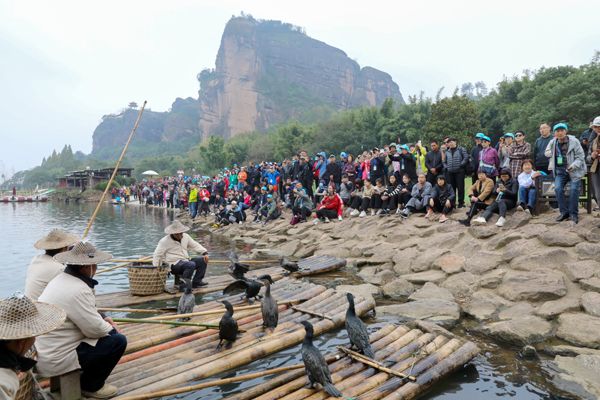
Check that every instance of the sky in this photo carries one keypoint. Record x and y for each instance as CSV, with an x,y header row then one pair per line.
x,y
65,64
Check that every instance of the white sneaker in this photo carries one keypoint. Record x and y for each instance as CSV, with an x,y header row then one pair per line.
x,y
479,221
316,221
501,222
105,392
354,213
398,210
327,220
527,211
519,208
362,214
372,213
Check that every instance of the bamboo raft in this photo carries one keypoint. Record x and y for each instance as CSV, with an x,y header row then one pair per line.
x,y
425,355
160,357
309,266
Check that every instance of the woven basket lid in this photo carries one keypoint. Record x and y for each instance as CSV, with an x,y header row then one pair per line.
x,y
21,317
56,239
84,253
176,227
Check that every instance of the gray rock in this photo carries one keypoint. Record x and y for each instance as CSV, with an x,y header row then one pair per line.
x,y
434,276
580,329
431,291
552,258
576,271
426,259
516,310
521,331
587,251
590,301
551,309
366,290
570,351
500,242
482,262
562,239
538,285
484,304
398,289
450,263
592,284
462,285
290,247
375,276
528,351
443,312
576,375
483,232
492,279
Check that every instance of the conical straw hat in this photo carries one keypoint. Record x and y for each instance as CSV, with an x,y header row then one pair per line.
x,y
176,227
84,253
21,318
56,239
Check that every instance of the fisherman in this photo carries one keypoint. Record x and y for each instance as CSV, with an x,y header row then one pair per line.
x,y
21,320
173,250
86,340
43,267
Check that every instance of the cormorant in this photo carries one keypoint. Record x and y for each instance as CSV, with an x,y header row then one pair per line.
x,y
357,331
289,266
316,367
228,327
250,286
268,307
237,269
187,301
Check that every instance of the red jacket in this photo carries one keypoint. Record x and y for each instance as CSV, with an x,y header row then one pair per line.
x,y
203,194
334,203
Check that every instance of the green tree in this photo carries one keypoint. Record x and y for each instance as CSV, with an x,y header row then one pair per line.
x,y
455,116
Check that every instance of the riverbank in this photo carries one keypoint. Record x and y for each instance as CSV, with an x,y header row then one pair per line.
x,y
533,284
76,196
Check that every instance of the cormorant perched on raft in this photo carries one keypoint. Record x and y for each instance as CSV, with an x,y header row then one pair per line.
x,y
357,331
289,266
187,301
315,365
228,327
250,286
237,269
268,307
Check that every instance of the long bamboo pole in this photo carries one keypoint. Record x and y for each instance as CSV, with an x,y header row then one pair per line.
x,y
137,310
112,177
174,323
373,363
240,378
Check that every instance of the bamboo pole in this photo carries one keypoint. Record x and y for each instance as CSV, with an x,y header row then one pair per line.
x,y
174,323
240,378
200,367
114,173
374,363
136,310
313,313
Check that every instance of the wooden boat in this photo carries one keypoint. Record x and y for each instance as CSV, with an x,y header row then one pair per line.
x,y
308,266
423,355
187,354
24,199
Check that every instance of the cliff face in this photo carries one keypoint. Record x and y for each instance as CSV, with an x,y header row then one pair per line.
x,y
267,72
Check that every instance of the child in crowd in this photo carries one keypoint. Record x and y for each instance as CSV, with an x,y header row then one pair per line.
x,y
378,190
527,191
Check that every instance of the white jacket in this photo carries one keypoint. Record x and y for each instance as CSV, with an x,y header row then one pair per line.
x,y
43,269
9,384
56,350
171,251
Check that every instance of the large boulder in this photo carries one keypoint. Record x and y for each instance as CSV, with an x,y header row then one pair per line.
x,y
516,310
587,251
560,239
592,284
398,289
450,263
483,232
521,331
580,329
375,275
552,258
576,375
426,259
590,301
491,280
551,309
501,241
434,276
537,285
482,262
461,285
443,312
579,270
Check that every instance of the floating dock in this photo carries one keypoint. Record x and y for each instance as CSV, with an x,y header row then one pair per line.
x,y
160,357
309,266
423,355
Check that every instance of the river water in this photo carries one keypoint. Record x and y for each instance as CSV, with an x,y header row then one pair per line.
x,y
132,230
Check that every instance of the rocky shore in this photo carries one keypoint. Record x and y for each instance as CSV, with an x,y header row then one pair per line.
x,y
534,283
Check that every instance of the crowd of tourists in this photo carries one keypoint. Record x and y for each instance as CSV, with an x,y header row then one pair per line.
x,y
396,180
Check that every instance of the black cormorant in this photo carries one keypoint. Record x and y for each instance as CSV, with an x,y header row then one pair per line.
x,y
187,301
268,307
251,287
228,327
316,367
237,269
289,266
357,331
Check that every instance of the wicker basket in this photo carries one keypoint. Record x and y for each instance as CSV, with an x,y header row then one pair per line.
x,y
145,280
26,384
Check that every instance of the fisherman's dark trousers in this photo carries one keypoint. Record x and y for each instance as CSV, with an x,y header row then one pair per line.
x,y
186,269
97,362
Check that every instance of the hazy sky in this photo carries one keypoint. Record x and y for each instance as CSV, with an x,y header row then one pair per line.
x,y
64,64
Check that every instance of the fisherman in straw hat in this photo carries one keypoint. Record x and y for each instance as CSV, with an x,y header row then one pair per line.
x,y
21,320
87,340
43,267
173,250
